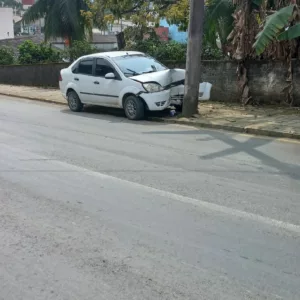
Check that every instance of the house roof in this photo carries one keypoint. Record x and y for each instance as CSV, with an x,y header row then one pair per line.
x,y
40,38
17,41
102,39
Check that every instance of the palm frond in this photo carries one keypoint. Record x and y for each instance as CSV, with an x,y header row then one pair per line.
x,y
36,11
218,20
62,18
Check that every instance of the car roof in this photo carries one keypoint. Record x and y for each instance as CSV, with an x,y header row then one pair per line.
x,y
114,54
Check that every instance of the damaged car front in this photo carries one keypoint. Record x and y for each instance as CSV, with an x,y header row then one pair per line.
x,y
161,87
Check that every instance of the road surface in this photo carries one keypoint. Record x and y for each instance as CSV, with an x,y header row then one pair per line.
x,y
93,206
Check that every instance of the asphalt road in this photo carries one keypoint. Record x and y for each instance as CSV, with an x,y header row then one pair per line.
x,y
94,206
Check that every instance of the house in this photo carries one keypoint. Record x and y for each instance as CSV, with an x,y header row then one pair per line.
x,y
174,33
100,41
162,33
6,23
27,3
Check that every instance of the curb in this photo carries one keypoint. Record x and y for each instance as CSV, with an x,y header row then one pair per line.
x,y
248,130
33,98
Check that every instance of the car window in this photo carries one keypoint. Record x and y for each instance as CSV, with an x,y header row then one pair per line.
x,y
137,64
85,67
103,67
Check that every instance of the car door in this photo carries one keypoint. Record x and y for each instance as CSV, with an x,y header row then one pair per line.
x,y
107,90
84,80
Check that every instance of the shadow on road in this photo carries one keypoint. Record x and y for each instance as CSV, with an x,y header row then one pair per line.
x,y
113,115
250,147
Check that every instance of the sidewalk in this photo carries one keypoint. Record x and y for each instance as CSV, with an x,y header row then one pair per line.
x,y
268,121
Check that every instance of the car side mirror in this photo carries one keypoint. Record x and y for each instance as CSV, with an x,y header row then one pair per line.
x,y
110,76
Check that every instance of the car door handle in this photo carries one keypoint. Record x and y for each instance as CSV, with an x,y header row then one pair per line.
x,y
96,82
77,79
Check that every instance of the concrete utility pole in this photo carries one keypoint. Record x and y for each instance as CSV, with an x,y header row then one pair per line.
x,y
193,59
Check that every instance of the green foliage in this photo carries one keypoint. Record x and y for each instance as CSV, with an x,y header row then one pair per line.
x,y
218,20
160,50
104,12
78,49
211,53
6,56
178,14
171,50
30,53
274,26
292,33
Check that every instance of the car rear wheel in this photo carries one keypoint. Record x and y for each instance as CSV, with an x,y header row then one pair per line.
x,y
134,108
74,101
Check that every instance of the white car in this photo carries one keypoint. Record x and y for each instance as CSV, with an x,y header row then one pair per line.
x,y
130,80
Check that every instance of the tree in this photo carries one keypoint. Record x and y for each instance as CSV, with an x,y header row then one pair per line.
x,y
140,12
249,18
178,14
63,18
193,61
282,25
218,23
78,49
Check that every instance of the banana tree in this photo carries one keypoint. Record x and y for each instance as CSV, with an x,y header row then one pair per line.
x,y
281,26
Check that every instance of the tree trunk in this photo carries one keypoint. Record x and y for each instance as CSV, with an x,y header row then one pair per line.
x,y
193,60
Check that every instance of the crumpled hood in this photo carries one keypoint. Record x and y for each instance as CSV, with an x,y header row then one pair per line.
x,y
173,79
164,78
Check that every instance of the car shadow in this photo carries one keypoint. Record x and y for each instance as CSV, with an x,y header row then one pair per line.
x,y
249,147
114,115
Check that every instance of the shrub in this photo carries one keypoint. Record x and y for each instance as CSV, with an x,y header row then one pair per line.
x,y
171,50
160,50
211,53
6,56
31,53
78,49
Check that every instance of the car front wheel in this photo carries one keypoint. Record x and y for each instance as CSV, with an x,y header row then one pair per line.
x,y
134,108
74,102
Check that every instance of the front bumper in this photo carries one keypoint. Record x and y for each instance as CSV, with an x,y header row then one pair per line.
x,y
157,101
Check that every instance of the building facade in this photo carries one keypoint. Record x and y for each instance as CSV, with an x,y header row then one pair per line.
x,y
174,33
6,23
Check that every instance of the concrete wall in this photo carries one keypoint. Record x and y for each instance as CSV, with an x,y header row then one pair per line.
x,y
6,23
42,75
266,79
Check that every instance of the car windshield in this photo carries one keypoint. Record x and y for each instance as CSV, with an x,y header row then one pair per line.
x,y
137,64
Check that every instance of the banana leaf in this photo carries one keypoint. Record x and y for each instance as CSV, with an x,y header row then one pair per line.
x,y
273,27
292,33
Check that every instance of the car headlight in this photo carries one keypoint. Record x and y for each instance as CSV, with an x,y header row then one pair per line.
x,y
152,87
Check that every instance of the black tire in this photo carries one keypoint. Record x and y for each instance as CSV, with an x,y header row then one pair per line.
x,y
134,108
74,102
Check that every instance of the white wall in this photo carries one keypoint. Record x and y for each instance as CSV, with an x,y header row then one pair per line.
x,y
6,23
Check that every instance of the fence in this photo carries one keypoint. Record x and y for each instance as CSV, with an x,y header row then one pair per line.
x,y
267,79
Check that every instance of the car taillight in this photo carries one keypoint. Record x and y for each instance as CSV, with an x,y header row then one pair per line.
x,y
60,78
